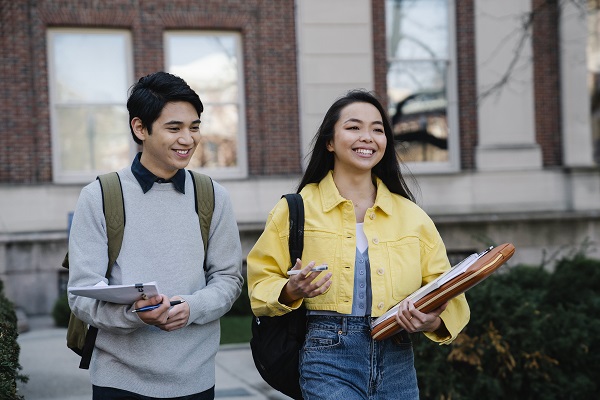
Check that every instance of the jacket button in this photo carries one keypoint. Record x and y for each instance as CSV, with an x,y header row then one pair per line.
x,y
380,306
380,271
372,215
375,240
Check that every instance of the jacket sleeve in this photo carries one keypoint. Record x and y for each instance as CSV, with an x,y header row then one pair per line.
x,y
456,316
268,262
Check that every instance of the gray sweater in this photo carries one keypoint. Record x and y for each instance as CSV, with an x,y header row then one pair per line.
x,y
162,243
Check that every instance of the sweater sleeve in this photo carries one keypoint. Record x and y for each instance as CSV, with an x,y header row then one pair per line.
x,y
88,261
224,264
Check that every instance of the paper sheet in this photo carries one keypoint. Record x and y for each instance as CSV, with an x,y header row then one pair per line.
x,y
452,273
120,294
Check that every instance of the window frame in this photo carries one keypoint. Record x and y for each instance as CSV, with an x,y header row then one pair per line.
x,y
58,173
453,163
241,168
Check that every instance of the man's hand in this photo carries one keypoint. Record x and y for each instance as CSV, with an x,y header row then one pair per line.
x,y
178,316
157,316
165,317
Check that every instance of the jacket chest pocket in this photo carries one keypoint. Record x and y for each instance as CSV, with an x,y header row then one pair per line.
x,y
320,247
405,264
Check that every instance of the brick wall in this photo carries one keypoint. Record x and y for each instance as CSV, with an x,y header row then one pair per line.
x,y
546,76
379,50
269,52
467,82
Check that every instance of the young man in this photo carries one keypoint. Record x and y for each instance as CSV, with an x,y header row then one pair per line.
x,y
168,352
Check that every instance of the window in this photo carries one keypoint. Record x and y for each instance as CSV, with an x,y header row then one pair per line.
x,y
89,75
421,81
593,57
211,63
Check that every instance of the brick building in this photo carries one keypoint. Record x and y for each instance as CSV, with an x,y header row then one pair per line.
x,y
492,100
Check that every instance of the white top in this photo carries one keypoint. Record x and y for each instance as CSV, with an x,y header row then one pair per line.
x,y
361,238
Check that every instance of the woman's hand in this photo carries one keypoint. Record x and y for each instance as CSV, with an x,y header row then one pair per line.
x,y
413,320
302,285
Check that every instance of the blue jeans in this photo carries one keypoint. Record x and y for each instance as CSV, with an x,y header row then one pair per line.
x,y
339,360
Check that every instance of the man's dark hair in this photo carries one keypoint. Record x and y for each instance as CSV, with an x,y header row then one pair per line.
x,y
151,93
321,160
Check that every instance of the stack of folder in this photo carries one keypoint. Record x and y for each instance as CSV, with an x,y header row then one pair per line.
x,y
450,284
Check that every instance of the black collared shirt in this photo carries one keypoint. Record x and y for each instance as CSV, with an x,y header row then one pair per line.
x,y
146,178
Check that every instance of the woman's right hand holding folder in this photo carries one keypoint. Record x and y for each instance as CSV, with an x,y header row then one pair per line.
x,y
412,320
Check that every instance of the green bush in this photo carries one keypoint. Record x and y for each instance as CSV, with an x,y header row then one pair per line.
x,y
61,312
9,350
531,336
241,306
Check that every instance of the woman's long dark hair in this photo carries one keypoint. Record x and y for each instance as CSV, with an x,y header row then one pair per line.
x,y
322,160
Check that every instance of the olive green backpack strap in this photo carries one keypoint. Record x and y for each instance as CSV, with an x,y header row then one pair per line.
x,y
80,338
205,204
114,213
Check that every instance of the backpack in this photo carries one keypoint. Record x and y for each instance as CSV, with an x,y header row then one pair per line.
x,y
276,341
80,338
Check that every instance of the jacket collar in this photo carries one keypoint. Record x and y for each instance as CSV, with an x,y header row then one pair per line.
x,y
331,198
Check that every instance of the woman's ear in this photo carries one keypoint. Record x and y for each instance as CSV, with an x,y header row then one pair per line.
x,y
138,128
329,146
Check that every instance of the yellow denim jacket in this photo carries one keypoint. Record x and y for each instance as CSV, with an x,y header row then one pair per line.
x,y
405,252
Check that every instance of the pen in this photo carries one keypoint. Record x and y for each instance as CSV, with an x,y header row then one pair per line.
x,y
154,307
318,268
485,251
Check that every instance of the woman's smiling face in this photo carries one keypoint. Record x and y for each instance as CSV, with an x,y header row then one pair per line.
x,y
359,140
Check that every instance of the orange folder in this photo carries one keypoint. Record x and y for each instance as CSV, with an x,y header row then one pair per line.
x,y
455,281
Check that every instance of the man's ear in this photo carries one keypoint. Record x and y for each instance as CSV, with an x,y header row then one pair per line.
x,y
138,128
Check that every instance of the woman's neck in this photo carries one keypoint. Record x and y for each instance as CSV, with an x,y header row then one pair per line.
x,y
357,188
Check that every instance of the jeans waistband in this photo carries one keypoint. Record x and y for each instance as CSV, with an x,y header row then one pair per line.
x,y
352,323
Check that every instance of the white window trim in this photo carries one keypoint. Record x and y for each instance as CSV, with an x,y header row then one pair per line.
x,y
241,170
58,175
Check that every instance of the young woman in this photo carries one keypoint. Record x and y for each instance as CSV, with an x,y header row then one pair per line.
x,y
379,246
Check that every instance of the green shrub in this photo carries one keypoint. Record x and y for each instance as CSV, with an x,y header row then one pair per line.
x,y
9,350
61,312
531,336
241,306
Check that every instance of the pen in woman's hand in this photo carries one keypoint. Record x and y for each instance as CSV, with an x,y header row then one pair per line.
x,y
154,307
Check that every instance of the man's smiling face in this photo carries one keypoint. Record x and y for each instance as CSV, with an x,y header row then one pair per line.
x,y
175,136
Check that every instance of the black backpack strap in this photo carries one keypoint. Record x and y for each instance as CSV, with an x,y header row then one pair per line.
x,y
114,214
296,241
88,347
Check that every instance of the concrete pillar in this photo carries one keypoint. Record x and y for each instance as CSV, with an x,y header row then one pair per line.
x,y
506,113
335,54
576,114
